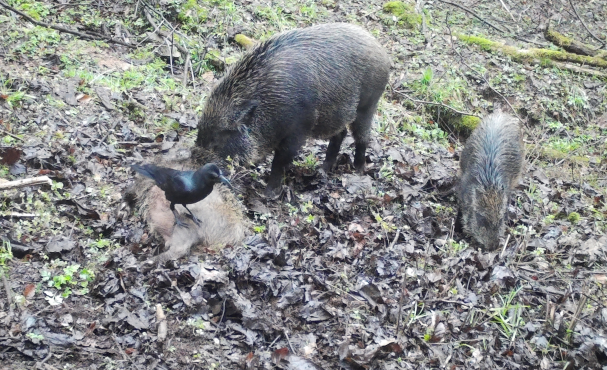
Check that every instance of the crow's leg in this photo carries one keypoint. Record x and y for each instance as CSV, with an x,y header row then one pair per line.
x,y
194,218
178,222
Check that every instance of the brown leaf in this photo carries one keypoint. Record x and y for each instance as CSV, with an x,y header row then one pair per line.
x,y
10,156
85,99
29,291
279,355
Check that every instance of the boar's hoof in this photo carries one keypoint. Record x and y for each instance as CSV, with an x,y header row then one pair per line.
x,y
327,167
272,192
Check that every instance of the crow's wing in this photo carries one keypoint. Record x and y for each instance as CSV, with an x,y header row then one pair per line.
x,y
167,179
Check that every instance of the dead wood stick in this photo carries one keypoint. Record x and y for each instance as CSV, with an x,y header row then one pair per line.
x,y
65,30
17,214
25,182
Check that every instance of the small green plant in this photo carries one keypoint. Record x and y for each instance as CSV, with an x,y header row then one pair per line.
x,y
6,254
259,229
574,217
307,206
15,98
101,243
427,77
69,279
387,170
35,337
197,323
457,247
384,225
509,316
309,162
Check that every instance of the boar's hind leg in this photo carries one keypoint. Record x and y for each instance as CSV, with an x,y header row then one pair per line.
x,y
360,131
283,156
333,150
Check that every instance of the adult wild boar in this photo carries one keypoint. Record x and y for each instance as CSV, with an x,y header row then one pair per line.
x,y
310,82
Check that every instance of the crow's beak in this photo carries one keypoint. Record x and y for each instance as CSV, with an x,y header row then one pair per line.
x,y
225,181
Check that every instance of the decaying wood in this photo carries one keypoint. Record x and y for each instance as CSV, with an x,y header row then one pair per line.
x,y
25,182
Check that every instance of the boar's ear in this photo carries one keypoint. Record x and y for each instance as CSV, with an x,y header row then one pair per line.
x,y
246,112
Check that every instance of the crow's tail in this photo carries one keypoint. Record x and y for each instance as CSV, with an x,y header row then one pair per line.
x,y
145,170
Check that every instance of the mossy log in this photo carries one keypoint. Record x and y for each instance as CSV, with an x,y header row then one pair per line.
x,y
533,55
244,41
572,45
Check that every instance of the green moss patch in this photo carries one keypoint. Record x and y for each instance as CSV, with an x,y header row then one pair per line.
x,y
405,13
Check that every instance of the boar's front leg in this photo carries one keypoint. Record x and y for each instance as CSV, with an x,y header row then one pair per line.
x,y
283,156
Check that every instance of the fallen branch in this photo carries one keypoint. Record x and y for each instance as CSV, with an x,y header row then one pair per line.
x,y
65,30
25,182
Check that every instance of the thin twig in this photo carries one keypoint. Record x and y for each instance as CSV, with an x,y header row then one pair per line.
x,y
11,135
66,30
274,341
507,10
119,348
505,245
435,103
223,312
289,341
584,24
473,14
9,295
400,305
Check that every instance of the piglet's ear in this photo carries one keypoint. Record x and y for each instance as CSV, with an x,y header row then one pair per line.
x,y
246,112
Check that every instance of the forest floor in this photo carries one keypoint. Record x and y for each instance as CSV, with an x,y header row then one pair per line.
x,y
346,272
